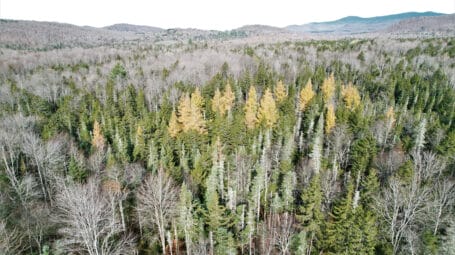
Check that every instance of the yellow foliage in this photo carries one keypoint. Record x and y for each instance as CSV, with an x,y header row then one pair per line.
x,y
351,96
184,112
306,94
328,88
268,113
174,127
223,103
280,92
190,113
227,101
196,98
216,102
330,119
390,116
251,108
98,139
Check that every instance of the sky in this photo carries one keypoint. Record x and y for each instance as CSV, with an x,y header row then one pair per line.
x,y
209,14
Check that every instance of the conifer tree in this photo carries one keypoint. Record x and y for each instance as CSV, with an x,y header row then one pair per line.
x,y
227,101
184,112
251,108
328,88
197,99
268,112
216,102
351,96
311,212
139,151
197,122
330,119
98,139
174,127
280,91
306,94
190,113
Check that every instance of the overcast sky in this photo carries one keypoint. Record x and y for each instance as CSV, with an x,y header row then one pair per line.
x,y
209,14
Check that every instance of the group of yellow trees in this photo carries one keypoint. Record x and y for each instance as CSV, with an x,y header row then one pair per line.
x,y
189,115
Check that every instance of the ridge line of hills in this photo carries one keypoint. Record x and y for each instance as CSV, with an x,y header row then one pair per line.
x,y
23,34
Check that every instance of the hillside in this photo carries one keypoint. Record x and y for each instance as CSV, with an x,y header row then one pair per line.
x,y
357,25
123,27
437,25
19,34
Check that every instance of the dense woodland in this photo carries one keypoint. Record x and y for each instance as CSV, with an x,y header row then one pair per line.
x,y
205,147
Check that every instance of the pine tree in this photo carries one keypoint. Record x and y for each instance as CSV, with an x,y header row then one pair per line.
x,y
330,119
174,127
328,88
139,151
98,140
311,212
306,94
251,108
268,113
280,91
351,96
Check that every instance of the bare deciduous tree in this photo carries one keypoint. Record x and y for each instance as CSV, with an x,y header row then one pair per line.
x,y
87,224
10,241
157,201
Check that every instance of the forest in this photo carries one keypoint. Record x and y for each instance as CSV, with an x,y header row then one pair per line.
x,y
243,147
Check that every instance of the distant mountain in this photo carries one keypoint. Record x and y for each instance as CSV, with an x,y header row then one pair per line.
x,y
22,34
436,25
123,27
357,25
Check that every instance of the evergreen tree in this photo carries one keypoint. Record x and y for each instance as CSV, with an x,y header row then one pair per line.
x,y
310,214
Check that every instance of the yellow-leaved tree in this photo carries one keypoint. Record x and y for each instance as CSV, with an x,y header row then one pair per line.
x,y
390,116
98,138
216,102
251,108
330,119
280,92
351,96
184,112
306,94
190,115
174,127
268,113
328,88
223,103
197,99
227,101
